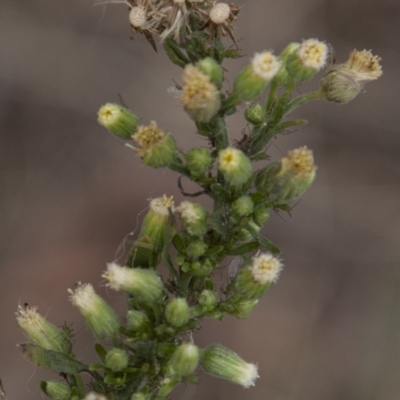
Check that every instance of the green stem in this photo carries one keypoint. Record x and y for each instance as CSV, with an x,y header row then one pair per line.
x,y
271,96
303,99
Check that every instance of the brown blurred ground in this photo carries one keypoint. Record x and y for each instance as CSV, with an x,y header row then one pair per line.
x,y
70,193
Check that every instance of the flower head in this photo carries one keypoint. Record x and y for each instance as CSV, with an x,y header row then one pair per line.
x,y
253,79
235,166
265,268
156,147
99,316
299,162
343,82
222,362
200,97
118,120
41,332
144,284
307,59
194,217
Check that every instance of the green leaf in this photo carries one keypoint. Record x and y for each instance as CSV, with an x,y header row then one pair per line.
x,y
244,249
266,244
212,251
101,352
174,53
96,367
178,243
259,157
51,360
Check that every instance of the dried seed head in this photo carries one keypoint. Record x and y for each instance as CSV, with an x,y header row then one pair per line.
x,y
219,13
137,17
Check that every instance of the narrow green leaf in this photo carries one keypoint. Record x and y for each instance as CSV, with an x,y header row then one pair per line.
x,y
178,243
51,360
101,352
259,157
266,244
96,367
244,249
212,251
220,192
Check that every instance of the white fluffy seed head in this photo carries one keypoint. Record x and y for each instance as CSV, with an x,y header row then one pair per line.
x,y
137,17
220,13
313,54
265,268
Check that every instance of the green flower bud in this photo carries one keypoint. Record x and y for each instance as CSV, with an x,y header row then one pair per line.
x,y
157,148
223,363
343,82
56,390
244,307
255,114
196,249
252,80
144,284
211,68
261,214
253,282
194,218
157,223
235,166
177,312
100,318
201,268
116,359
118,120
207,299
242,206
309,58
138,321
199,161
41,332
185,359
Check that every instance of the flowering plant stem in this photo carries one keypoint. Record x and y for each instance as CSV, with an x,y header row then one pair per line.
x,y
150,352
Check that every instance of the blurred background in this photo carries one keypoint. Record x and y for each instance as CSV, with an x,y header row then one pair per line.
x,y
70,193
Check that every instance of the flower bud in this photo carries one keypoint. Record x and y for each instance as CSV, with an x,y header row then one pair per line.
x,y
194,218
244,307
212,69
200,268
118,120
144,284
196,249
223,363
252,80
244,235
235,166
253,282
242,206
41,332
199,161
56,390
255,114
207,299
177,312
200,97
309,58
261,214
138,321
157,222
185,359
116,359
100,318
343,82
157,148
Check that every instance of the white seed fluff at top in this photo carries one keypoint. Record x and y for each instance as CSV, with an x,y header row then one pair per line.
x,y
83,296
94,396
313,53
137,17
162,205
189,211
248,375
265,268
220,13
265,65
